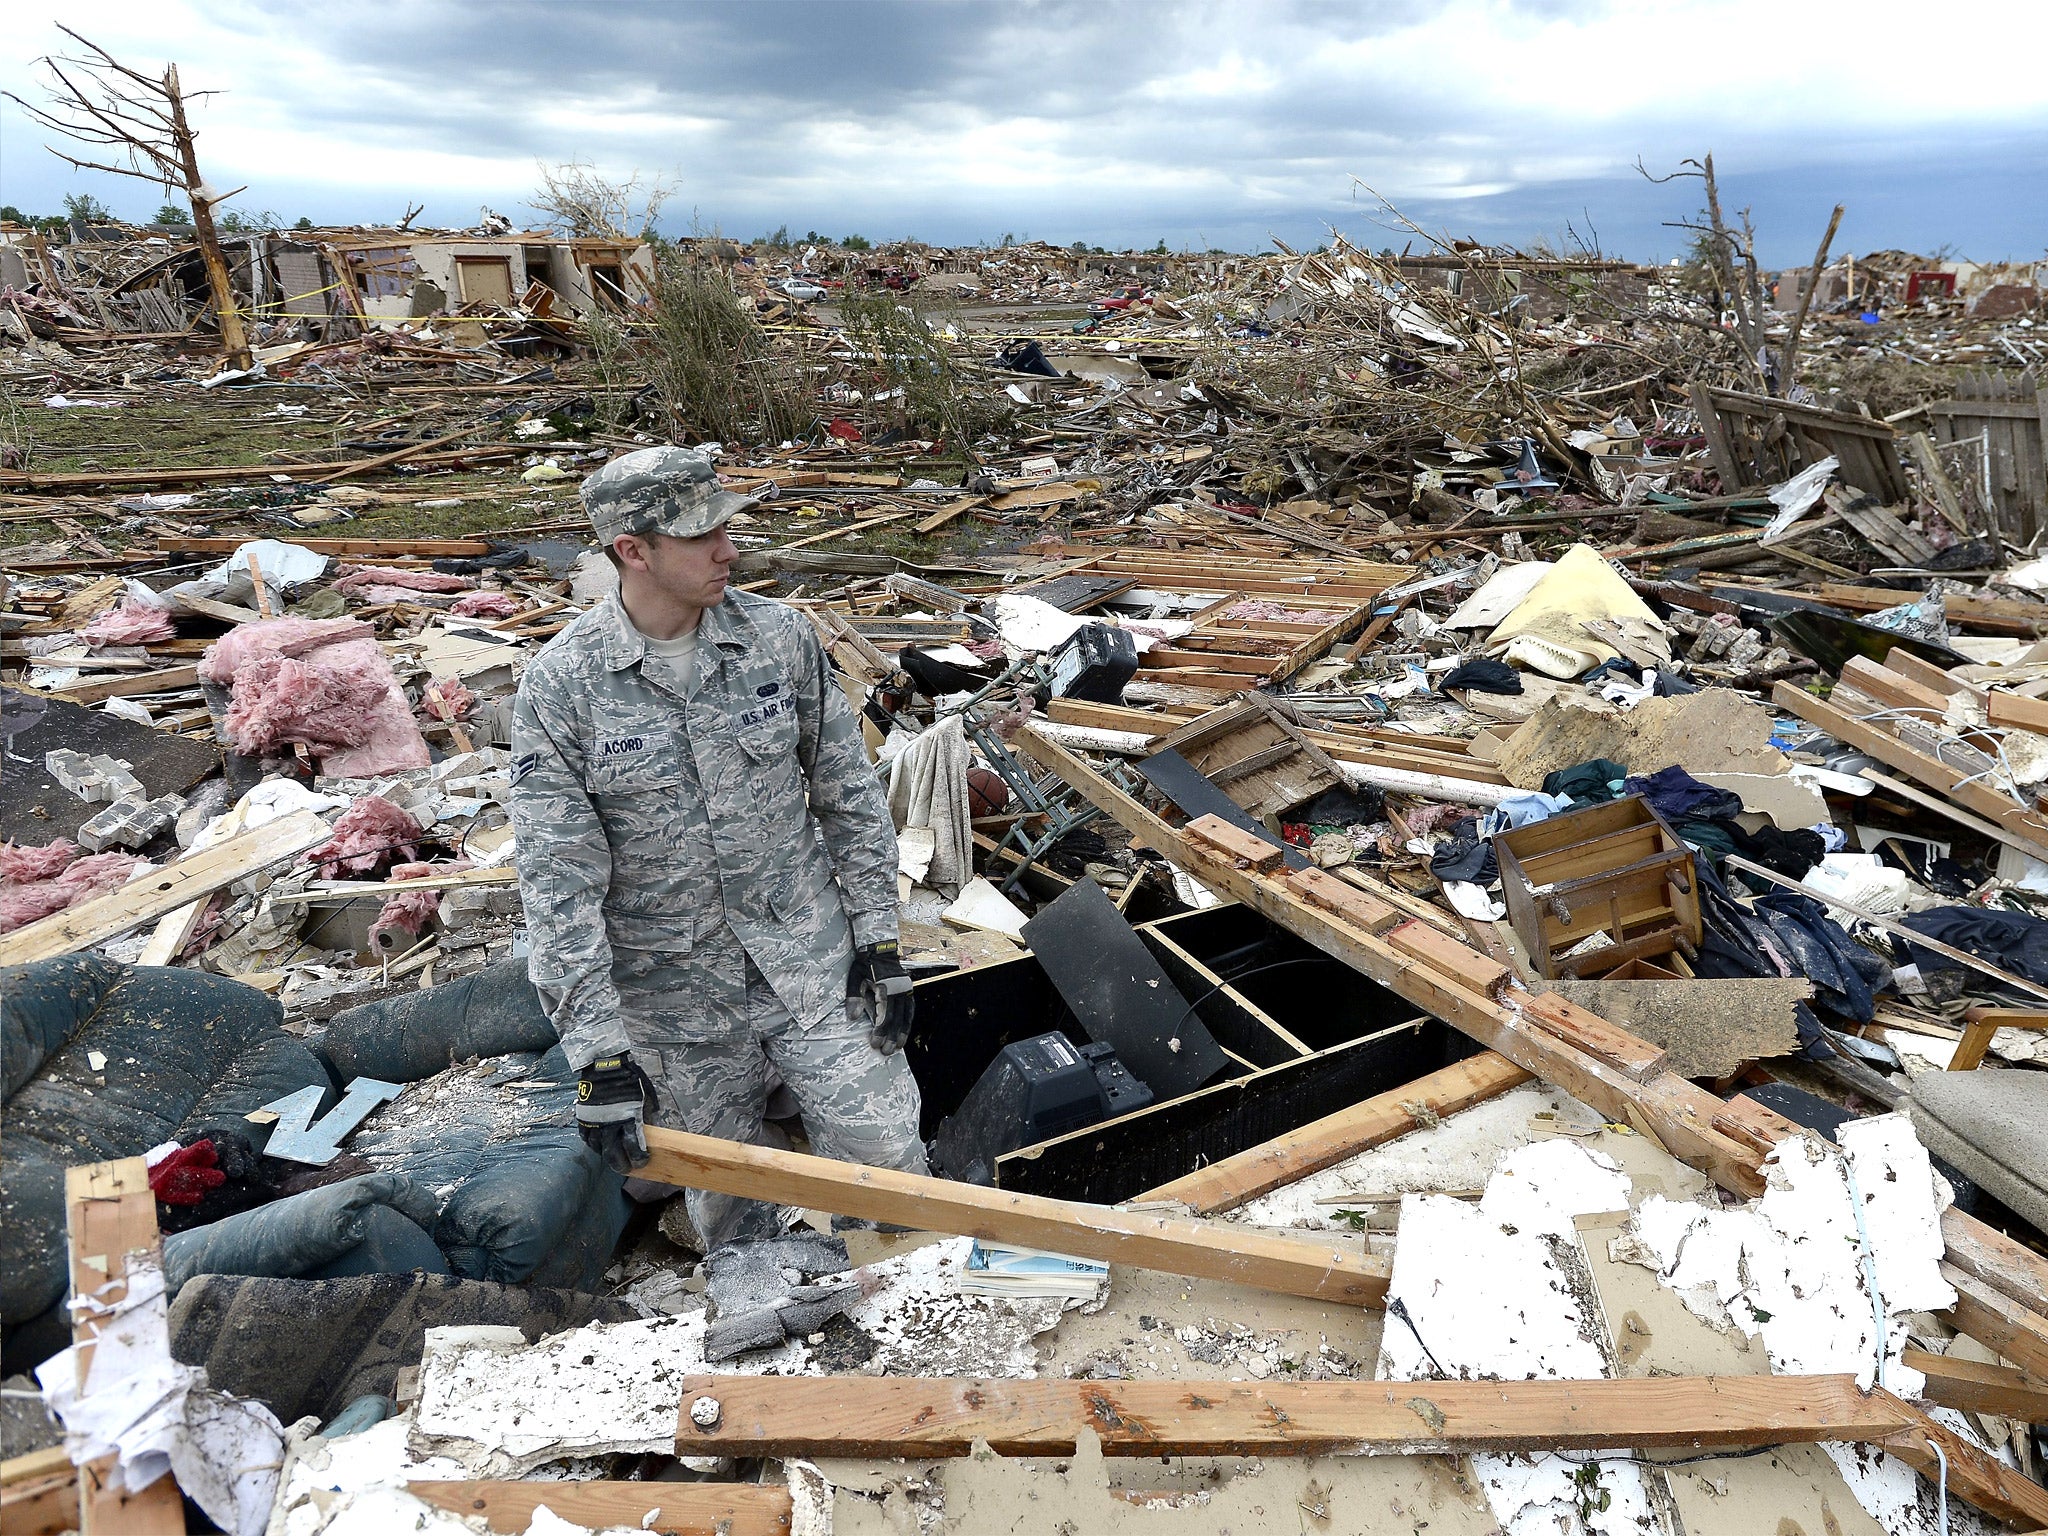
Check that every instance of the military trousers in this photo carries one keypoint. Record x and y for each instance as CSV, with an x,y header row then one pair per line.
x,y
858,1106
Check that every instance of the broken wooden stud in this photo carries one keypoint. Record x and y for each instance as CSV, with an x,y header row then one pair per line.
x,y
1234,843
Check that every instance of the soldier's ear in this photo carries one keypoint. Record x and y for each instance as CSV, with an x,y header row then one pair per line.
x,y
631,550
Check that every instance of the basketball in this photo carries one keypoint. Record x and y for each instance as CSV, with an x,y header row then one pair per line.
x,y
987,794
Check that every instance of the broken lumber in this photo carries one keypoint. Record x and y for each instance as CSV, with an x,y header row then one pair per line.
x,y
2022,828
157,891
1968,1473
679,1509
1323,1143
163,680
1318,1269
913,1417
1679,1113
1979,1386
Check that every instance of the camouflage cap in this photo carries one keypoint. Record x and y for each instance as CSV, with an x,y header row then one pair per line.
x,y
658,490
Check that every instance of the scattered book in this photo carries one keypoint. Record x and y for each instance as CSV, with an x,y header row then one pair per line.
x,y
996,1270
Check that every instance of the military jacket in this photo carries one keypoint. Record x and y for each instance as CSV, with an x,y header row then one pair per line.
x,y
665,836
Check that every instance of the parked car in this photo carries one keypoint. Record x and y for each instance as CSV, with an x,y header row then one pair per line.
x,y
799,288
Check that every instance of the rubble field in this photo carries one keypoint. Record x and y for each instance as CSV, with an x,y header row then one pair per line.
x,y
1473,841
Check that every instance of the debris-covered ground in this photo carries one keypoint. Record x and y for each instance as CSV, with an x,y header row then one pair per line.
x,y
1411,675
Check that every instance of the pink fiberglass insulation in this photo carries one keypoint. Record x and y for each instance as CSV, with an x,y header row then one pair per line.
x,y
456,701
406,914
360,577
93,875
322,682
377,593
130,622
486,605
369,835
24,864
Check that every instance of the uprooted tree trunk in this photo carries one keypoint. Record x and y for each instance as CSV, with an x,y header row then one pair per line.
x,y
102,101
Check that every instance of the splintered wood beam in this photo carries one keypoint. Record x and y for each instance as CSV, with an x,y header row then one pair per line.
x,y
678,1509
1321,1270
1320,1144
1970,1474
912,1418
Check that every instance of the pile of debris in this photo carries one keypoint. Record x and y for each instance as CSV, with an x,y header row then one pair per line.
x,y
1412,796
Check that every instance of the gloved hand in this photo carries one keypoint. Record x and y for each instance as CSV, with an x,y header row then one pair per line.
x,y
879,980
613,1100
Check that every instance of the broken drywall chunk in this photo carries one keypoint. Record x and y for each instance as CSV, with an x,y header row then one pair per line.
x,y
1789,802
981,905
1707,1028
1797,1267
1713,731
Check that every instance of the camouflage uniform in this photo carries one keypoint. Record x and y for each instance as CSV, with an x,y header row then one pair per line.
x,y
697,865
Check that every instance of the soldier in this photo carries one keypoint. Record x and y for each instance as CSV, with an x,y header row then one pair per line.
x,y
705,854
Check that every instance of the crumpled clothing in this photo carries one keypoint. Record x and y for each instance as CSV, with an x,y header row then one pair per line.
x,y
928,789
1786,934
1594,782
1677,796
1481,674
183,1177
1522,811
2012,941
1466,858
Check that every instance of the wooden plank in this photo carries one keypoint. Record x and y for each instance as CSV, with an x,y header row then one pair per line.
x,y
1917,669
945,515
2029,832
1459,962
1679,1112
1625,1052
163,890
1321,1270
1326,892
1892,688
2001,1324
1995,1260
2014,711
43,1505
1236,844
1323,1143
163,680
681,1509
912,1417
1980,1386
110,1225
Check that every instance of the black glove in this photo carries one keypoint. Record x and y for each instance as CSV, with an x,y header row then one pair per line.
x,y
613,1100
879,980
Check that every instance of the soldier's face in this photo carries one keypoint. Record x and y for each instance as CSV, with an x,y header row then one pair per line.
x,y
688,571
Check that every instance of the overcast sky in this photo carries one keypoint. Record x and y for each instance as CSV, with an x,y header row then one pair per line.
x,y
1206,124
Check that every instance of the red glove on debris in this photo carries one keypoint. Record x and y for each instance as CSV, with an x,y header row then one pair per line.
x,y
184,1177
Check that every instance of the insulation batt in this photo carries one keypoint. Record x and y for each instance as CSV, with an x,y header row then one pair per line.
x,y
322,682
457,700
408,913
359,577
91,876
130,622
368,834
22,864
486,605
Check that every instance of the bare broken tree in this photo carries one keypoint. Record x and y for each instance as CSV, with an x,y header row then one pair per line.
x,y
586,204
1731,260
100,100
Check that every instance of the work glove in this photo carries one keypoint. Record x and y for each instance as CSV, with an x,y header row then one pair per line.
x,y
879,980
613,1100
